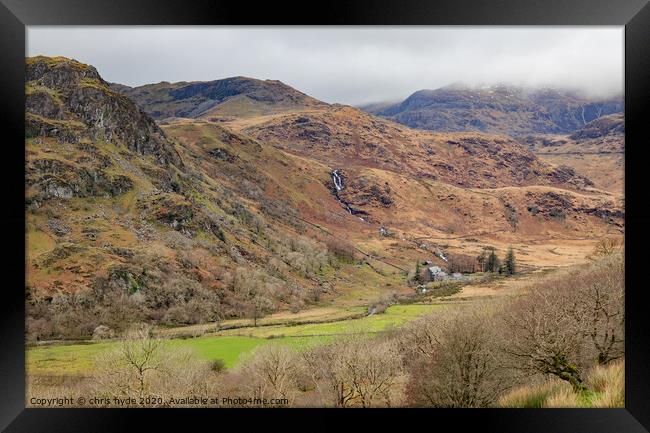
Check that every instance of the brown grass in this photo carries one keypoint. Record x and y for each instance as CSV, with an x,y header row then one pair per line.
x,y
606,390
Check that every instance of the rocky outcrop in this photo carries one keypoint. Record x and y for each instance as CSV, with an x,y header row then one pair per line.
x,y
359,194
69,100
566,175
168,208
53,178
550,204
559,206
181,214
607,125
363,191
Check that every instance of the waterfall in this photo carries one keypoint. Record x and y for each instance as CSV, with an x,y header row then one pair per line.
x,y
338,184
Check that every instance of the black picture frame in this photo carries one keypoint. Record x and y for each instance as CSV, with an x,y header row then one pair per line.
x,y
15,15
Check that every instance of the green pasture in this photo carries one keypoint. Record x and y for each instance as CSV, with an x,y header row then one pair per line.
x,y
229,345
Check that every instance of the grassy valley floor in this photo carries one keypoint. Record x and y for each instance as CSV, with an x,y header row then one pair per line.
x,y
228,345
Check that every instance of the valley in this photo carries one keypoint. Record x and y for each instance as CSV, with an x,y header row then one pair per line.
x,y
235,213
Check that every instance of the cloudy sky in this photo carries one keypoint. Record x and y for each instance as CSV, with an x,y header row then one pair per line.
x,y
350,65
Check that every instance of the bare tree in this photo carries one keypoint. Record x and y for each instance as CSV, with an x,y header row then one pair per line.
x,y
602,307
322,365
142,365
568,323
545,336
607,246
356,371
459,363
462,263
128,368
418,339
272,371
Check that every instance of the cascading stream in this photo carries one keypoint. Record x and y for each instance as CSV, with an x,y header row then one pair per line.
x,y
338,184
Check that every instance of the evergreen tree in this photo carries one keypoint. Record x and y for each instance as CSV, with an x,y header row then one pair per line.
x,y
416,277
491,262
510,265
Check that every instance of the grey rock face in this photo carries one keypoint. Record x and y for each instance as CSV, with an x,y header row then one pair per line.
x,y
67,100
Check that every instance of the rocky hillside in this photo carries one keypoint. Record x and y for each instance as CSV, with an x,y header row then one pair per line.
x,y
612,125
197,219
344,137
603,135
230,97
127,223
68,100
596,150
500,109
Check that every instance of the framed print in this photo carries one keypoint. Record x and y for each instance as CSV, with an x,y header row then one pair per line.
x,y
430,211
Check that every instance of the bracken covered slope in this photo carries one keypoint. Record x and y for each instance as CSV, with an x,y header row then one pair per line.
x,y
345,136
126,223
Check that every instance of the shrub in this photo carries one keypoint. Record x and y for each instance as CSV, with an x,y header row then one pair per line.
x,y
607,247
341,249
218,365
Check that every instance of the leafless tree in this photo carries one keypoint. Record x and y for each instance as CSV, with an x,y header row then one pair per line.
x,y
602,307
566,324
356,371
128,368
460,361
272,371
545,336
143,365
607,246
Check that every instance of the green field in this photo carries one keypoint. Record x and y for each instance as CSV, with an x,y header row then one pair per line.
x,y
78,359
394,316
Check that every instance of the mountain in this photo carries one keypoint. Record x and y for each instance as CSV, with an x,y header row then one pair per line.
x,y
127,223
418,183
236,96
603,135
368,152
499,109
336,134
287,206
596,150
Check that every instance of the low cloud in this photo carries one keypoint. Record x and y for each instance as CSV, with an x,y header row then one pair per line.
x,y
350,65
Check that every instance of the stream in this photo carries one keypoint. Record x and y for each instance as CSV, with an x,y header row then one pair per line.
x,y
338,184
